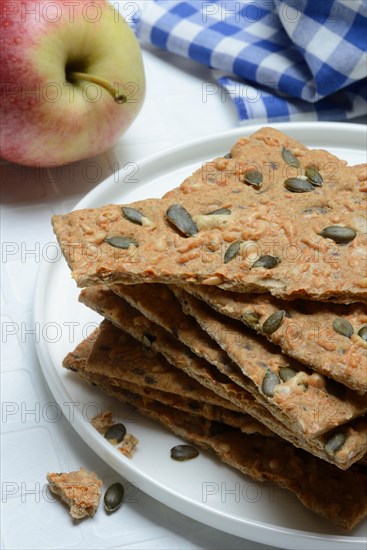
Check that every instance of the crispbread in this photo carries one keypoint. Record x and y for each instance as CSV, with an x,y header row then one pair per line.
x,y
304,398
315,409
118,388
266,221
339,496
116,355
306,333
95,363
331,493
123,315
80,490
158,303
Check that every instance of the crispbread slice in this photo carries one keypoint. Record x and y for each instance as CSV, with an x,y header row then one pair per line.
x,y
306,333
115,354
264,221
118,388
331,493
158,303
221,382
315,409
93,371
339,496
77,361
80,490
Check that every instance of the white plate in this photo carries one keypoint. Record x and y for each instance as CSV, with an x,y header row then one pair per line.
x,y
203,488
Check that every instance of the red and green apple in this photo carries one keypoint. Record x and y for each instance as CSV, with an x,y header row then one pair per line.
x,y
71,77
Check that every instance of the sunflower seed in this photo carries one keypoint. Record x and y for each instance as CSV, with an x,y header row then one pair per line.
x,y
180,218
338,234
314,176
250,318
121,242
113,497
317,209
268,262
335,443
271,379
115,434
148,340
273,322
342,326
298,185
227,156
253,177
149,337
286,373
363,332
289,158
183,452
219,212
132,215
232,251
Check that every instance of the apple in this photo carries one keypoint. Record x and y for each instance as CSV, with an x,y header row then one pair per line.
x,y
71,80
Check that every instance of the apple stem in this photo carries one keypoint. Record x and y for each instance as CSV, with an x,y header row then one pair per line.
x,y
118,98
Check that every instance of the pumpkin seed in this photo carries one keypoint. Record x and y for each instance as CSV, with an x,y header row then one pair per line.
x,y
289,158
273,322
180,218
342,326
363,332
113,497
227,156
286,373
335,443
232,251
121,242
253,177
298,185
270,380
338,234
183,452
132,215
268,262
314,176
115,434
250,318
219,212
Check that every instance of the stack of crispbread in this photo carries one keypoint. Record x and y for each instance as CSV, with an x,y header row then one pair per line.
x,y
235,314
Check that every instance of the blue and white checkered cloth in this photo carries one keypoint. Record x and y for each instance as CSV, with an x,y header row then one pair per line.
x,y
277,60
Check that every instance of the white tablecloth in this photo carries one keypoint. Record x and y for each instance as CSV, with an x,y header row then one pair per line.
x,y
174,112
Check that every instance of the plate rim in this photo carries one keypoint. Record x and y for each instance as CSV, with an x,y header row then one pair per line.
x,y
287,537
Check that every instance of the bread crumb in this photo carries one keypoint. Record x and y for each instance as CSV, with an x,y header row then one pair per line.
x,y
128,446
80,490
102,422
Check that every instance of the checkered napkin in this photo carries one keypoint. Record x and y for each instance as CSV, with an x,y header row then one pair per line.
x,y
277,60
